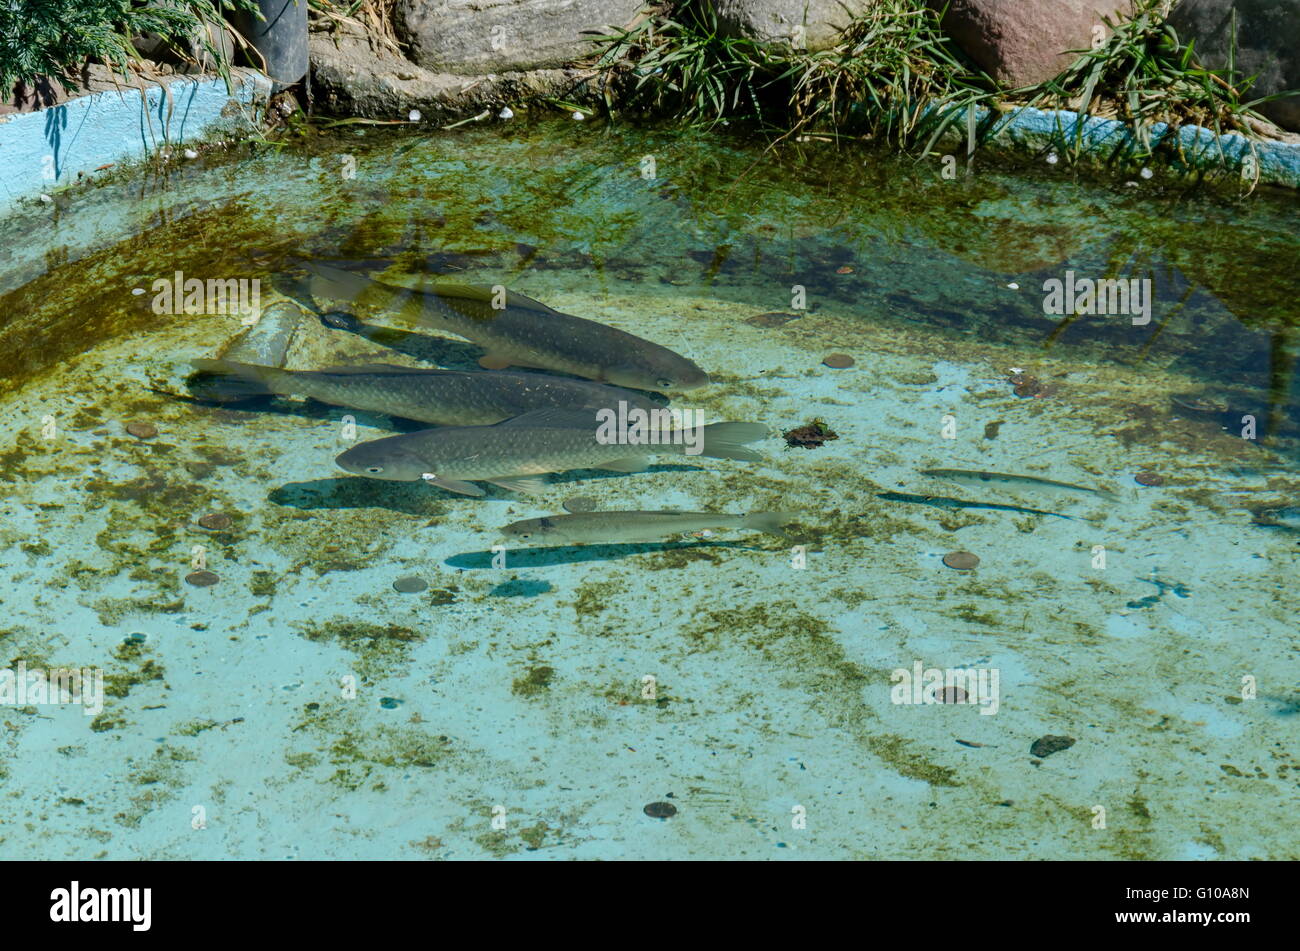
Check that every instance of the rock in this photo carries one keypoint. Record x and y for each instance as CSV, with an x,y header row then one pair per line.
x,y
1045,746
778,20
484,36
1268,45
1024,42
352,77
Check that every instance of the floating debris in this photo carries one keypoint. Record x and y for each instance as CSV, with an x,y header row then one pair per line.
x,y
411,584
660,810
1025,385
845,269
811,434
1149,478
961,560
142,430
389,703
580,503
991,429
215,521
772,319
1045,746
202,579
839,361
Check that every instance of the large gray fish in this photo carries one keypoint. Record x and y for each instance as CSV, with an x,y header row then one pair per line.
x,y
444,397
587,528
523,332
514,454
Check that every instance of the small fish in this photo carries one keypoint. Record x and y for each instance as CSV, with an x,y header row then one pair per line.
x,y
623,527
516,453
970,476
1282,516
443,397
944,502
523,332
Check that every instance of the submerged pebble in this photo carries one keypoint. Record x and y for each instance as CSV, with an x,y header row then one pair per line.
x,y
1047,745
142,430
410,585
389,703
660,810
202,579
580,503
839,361
215,521
961,560
1149,478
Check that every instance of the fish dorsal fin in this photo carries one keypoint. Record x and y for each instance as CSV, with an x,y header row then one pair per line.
x,y
563,418
481,294
380,368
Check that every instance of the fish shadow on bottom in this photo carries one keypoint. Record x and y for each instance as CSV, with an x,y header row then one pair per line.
x,y
518,558
254,406
417,498
349,492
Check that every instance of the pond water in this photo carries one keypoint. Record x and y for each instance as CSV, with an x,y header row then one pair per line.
x,y
1134,685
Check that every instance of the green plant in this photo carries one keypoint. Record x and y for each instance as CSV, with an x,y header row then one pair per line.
x,y
891,65
1142,73
895,76
681,64
55,38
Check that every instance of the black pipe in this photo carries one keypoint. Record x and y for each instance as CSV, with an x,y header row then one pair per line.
x,y
280,39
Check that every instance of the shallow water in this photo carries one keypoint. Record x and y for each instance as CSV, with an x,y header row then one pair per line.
x,y
504,711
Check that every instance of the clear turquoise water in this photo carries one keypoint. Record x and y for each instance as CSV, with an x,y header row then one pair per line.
x,y
504,711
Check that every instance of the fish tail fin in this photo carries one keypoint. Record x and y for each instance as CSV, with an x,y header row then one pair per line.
x,y
770,522
727,440
228,381
336,283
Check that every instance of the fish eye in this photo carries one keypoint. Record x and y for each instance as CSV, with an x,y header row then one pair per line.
x,y
664,383
374,468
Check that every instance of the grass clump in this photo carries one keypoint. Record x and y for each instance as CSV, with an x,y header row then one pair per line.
x,y
57,38
895,77
1142,73
889,67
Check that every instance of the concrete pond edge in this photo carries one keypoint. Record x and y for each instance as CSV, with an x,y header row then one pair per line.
x,y
1102,142
52,148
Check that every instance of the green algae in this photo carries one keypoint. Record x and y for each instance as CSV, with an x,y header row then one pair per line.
x,y
379,648
535,682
